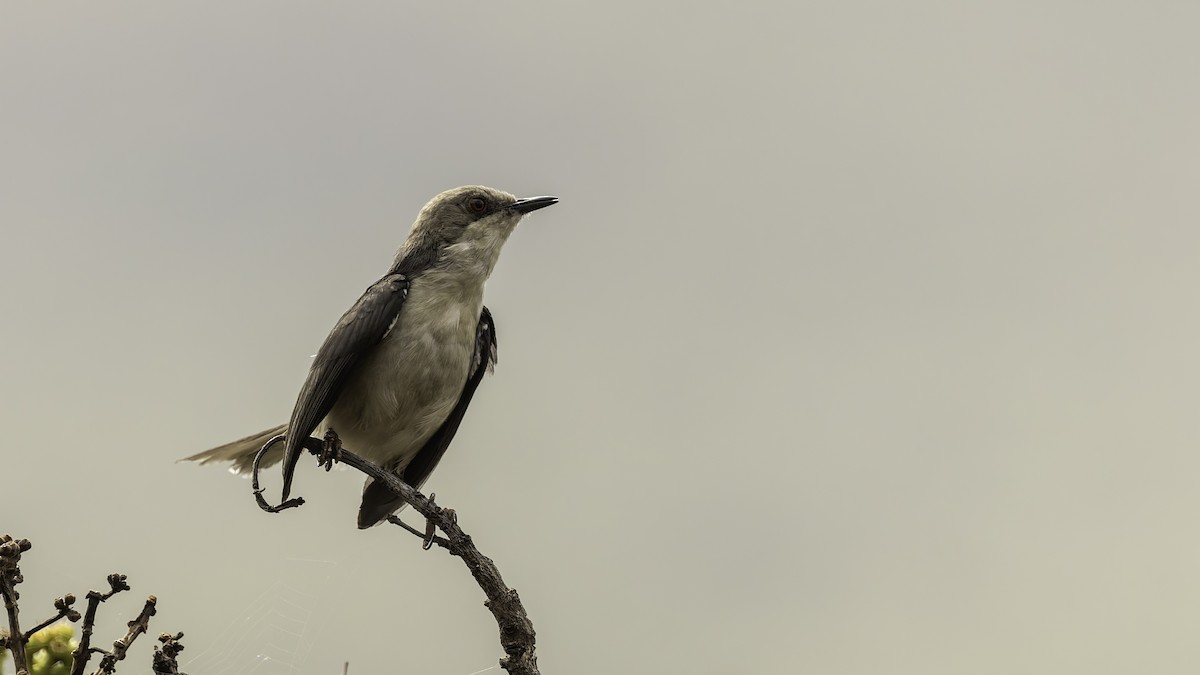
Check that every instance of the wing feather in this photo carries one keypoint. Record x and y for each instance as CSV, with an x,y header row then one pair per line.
x,y
362,327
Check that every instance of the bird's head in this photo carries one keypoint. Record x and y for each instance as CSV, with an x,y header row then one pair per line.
x,y
464,227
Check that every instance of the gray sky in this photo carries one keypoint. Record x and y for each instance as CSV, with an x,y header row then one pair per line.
x,y
863,340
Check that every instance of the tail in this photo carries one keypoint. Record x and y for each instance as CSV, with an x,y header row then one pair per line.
x,y
242,451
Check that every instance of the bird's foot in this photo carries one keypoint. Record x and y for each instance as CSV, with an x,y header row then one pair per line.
x,y
331,449
430,526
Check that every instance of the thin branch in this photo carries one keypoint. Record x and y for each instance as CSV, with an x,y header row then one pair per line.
x,y
139,625
16,640
517,636
262,501
63,605
10,575
83,651
164,658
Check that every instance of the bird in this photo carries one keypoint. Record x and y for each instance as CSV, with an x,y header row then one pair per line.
x,y
397,372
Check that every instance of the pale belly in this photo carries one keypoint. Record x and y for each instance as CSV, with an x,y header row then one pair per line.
x,y
403,391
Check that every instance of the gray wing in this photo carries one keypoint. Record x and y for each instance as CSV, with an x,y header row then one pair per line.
x,y
378,502
362,327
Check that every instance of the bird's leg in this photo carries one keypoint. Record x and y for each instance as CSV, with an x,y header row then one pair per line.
x,y
430,526
331,449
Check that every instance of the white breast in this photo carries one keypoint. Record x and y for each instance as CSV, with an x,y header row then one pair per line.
x,y
405,388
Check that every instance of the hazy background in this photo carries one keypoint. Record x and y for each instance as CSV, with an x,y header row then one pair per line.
x,y
864,339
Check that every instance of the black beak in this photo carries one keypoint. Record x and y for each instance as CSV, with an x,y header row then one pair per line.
x,y
532,204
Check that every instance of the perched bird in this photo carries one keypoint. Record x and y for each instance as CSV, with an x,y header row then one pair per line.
x,y
397,372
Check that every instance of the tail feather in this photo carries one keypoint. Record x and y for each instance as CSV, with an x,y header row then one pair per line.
x,y
378,502
242,451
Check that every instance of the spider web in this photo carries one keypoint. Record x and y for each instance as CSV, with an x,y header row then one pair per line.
x,y
275,632
273,628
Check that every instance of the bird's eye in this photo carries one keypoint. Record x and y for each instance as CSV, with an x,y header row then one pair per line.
x,y
476,204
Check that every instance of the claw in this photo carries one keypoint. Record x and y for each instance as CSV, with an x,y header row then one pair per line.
x,y
430,527
331,449
430,535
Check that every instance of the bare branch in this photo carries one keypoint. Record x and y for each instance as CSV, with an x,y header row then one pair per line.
x,y
517,636
10,575
139,625
63,605
164,657
262,501
16,640
83,652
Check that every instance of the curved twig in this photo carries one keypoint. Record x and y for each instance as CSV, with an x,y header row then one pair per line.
x,y
262,501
